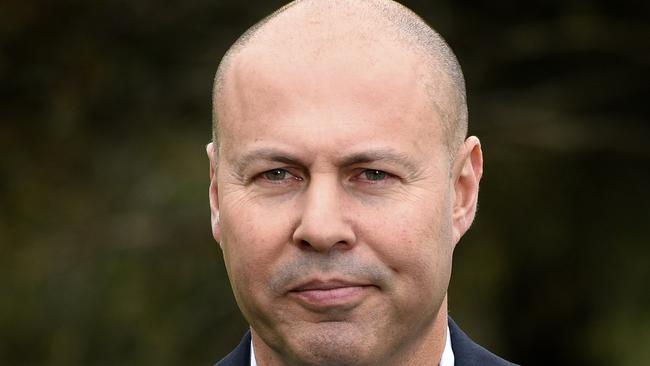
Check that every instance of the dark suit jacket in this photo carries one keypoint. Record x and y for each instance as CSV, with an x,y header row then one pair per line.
x,y
466,352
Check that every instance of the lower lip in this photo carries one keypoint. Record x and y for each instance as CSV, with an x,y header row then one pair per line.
x,y
340,296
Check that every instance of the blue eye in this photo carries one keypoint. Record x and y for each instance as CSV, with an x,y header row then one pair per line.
x,y
275,174
374,175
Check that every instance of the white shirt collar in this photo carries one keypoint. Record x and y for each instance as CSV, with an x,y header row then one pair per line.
x,y
253,362
447,358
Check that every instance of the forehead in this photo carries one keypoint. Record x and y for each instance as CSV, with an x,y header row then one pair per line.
x,y
372,74
333,79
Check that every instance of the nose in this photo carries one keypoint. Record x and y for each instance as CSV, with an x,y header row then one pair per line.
x,y
323,225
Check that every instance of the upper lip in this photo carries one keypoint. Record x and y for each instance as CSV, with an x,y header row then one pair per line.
x,y
322,285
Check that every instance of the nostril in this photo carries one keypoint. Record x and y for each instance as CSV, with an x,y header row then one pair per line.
x,y
338,246
341,246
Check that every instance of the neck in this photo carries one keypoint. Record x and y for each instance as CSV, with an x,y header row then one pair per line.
x,y
428,346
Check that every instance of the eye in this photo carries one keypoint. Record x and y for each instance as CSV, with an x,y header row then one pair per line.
x,y
276,174
279,176
374,175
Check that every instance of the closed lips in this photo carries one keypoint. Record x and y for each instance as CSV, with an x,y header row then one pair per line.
x,y
327,285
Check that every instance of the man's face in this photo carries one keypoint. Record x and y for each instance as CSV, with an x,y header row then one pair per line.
x,y
335,196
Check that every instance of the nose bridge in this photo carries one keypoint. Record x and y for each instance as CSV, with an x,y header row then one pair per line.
x,y
323,222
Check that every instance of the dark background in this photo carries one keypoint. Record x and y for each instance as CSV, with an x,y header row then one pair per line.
x,y
106,256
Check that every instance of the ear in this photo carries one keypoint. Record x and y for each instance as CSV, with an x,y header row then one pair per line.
x,y
468,169
214,197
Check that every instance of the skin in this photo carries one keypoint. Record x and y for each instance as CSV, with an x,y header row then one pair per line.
x,y
335,202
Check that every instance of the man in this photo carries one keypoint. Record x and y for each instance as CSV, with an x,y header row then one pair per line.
x,y
341,181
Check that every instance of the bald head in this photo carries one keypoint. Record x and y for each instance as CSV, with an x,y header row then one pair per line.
x,y
341,32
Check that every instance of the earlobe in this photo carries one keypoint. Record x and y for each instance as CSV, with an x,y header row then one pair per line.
x,y
213,195
468,171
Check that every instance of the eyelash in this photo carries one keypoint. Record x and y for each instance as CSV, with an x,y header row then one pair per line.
x,y
283,171
361,175
364,175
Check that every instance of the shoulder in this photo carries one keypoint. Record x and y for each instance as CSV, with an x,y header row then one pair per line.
x,y
240,356
468,353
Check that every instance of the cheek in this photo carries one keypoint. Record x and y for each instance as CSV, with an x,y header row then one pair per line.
x,y
415,241
252,239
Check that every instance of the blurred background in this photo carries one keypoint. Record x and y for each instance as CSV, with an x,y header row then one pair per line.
x,y
106,256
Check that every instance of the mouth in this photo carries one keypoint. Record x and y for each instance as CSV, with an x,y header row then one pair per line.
x,y
321,295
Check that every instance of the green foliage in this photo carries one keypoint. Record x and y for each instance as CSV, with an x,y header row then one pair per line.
x,y
106,256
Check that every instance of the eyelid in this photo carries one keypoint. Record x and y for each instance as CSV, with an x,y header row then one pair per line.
x,y
296,174
292,176
359,172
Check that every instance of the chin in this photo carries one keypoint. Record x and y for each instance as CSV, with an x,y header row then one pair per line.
x,y
332,344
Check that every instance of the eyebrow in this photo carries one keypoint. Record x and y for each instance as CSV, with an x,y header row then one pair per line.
x,y
380,155
268,154
370,156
